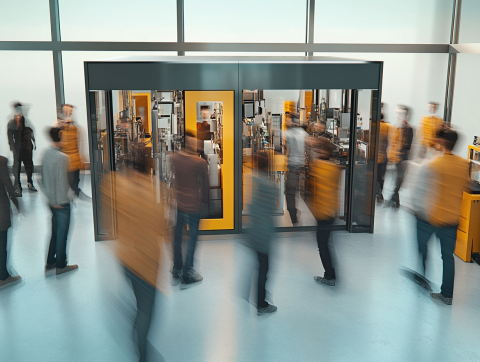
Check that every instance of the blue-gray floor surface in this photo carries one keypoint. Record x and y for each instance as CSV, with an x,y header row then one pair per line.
x,y
374,313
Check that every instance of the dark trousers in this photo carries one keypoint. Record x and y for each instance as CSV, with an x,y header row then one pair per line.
x,y
401,168
3,254
145,297
262,279
192,220
57,251
25,156
381,170
323,237
74,181
291,189
448,237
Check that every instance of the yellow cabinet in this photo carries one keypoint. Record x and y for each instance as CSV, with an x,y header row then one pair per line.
x,y
468,233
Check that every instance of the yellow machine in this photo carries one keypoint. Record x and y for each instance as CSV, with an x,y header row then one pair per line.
x,y
468,233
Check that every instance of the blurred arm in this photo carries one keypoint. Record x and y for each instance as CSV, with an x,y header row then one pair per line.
x,y
7,182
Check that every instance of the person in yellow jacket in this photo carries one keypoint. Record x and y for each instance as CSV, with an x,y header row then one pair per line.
x,y
70,146
400,151
141,233
324,202
437,203
428,128
386,131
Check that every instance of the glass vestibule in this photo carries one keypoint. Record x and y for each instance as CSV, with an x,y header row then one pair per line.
x,y
142,129
341,116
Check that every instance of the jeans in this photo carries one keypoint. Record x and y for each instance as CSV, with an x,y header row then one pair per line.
x,y
401,169
192,220
145,297
381,169
291,188
74,181
323,237
57,251
448,237
262,279
3,254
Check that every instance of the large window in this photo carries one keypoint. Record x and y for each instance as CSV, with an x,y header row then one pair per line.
x,y
119,20
248,21
470,27
31,83
25,20
380,21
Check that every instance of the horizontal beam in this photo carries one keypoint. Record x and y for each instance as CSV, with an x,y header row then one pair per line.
x,y
224,47
472,48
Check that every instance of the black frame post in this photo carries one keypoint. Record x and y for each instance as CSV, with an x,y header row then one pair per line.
x,y
57,54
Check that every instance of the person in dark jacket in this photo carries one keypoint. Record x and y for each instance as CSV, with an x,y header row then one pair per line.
x,y
7,193
260,228
22,143
191,187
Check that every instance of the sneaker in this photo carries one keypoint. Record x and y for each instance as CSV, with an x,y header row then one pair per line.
x,y
31,188
422,282
176,278
10,280
190,279
322,280
50,266
441,298
380,200
18,192
66,269
265,310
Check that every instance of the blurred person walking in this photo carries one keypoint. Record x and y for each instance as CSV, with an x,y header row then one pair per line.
x,y
21,140
55,187
386,130
324,203
70,146
437,203
427,130
140,251
295,137
399,151
191,187
7,193
260,228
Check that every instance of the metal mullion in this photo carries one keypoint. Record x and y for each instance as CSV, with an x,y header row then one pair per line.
x,y
310,24
180,25
452,62
56,53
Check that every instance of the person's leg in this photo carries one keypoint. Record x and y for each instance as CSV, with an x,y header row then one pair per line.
x,y
76,182
291,191
401,168
447,236
72,181
382,167
177,243
424,232
323,236
16,168
193,222
3,255
145,297
262,279
27,159
63,225
53,239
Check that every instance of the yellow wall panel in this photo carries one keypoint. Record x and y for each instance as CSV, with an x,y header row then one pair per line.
x,y
227,97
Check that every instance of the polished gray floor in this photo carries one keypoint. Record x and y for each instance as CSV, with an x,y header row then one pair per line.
x,y
373,314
